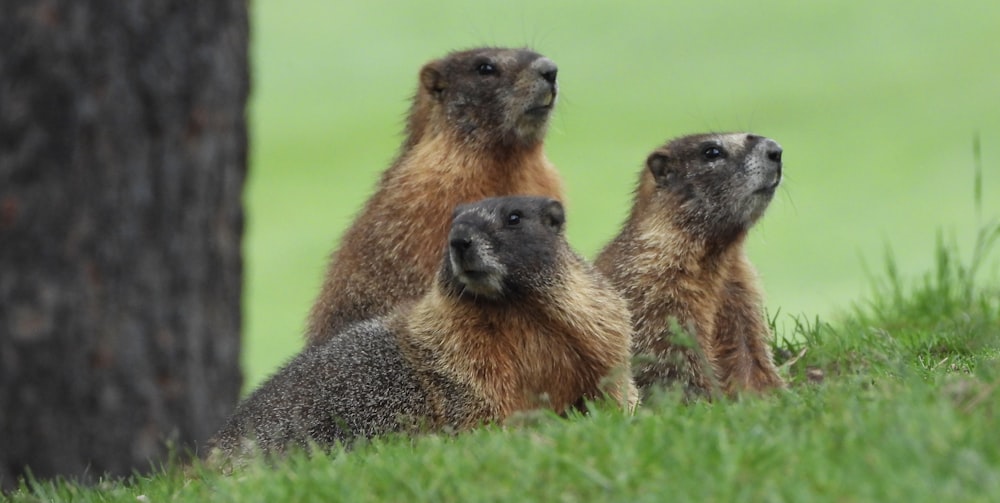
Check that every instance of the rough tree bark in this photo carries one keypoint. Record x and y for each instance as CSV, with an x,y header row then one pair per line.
x,y
123,151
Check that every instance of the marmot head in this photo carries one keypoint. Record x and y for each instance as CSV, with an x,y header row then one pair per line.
x,y
717,185
486,96
503,247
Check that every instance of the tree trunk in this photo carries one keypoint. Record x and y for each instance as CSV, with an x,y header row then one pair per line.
x,y
123,151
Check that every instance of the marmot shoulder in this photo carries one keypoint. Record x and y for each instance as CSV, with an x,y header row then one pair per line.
x,y
513,321
475,130
679,261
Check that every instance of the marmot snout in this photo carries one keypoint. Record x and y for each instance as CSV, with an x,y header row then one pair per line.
x,y
474,266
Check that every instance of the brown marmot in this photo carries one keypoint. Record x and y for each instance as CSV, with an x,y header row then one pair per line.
x,y
680,263
514,320
475,130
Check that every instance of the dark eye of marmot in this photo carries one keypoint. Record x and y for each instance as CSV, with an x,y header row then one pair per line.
x,y
486,69
713,153
514,218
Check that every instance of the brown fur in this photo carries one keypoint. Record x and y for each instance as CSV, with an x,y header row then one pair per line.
x,y
469,136
680,263
550,352
532,358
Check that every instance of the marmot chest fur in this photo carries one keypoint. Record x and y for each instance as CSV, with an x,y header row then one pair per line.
x,y
514,320
475,130
680,263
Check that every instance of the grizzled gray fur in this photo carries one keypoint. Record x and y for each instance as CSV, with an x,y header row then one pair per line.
x,y
354,386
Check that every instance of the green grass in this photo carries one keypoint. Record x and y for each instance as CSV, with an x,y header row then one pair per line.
x,y
842,441
876,104
895,400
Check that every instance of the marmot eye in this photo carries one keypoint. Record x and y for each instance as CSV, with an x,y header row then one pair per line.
x,y
712,153
486,69
514,218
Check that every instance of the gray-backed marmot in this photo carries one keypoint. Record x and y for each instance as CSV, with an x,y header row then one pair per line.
x,y
679,262
475,130
513,321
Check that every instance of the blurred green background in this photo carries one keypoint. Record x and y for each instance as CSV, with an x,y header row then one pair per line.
x,y
875,103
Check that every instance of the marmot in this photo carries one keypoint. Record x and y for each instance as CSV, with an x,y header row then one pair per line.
x,y
679,262
514,320
475,130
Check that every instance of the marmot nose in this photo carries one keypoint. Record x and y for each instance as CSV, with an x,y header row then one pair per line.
x,y
546,68
772,150
459,245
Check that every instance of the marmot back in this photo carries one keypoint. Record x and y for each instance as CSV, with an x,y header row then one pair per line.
x,y
680,257
475,130
514,320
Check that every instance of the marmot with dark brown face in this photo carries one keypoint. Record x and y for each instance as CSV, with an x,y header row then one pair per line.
x,y
475,130
514,321
680,263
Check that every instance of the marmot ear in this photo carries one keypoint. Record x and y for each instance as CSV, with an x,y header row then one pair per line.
x,y
658,164
554,216
431,78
